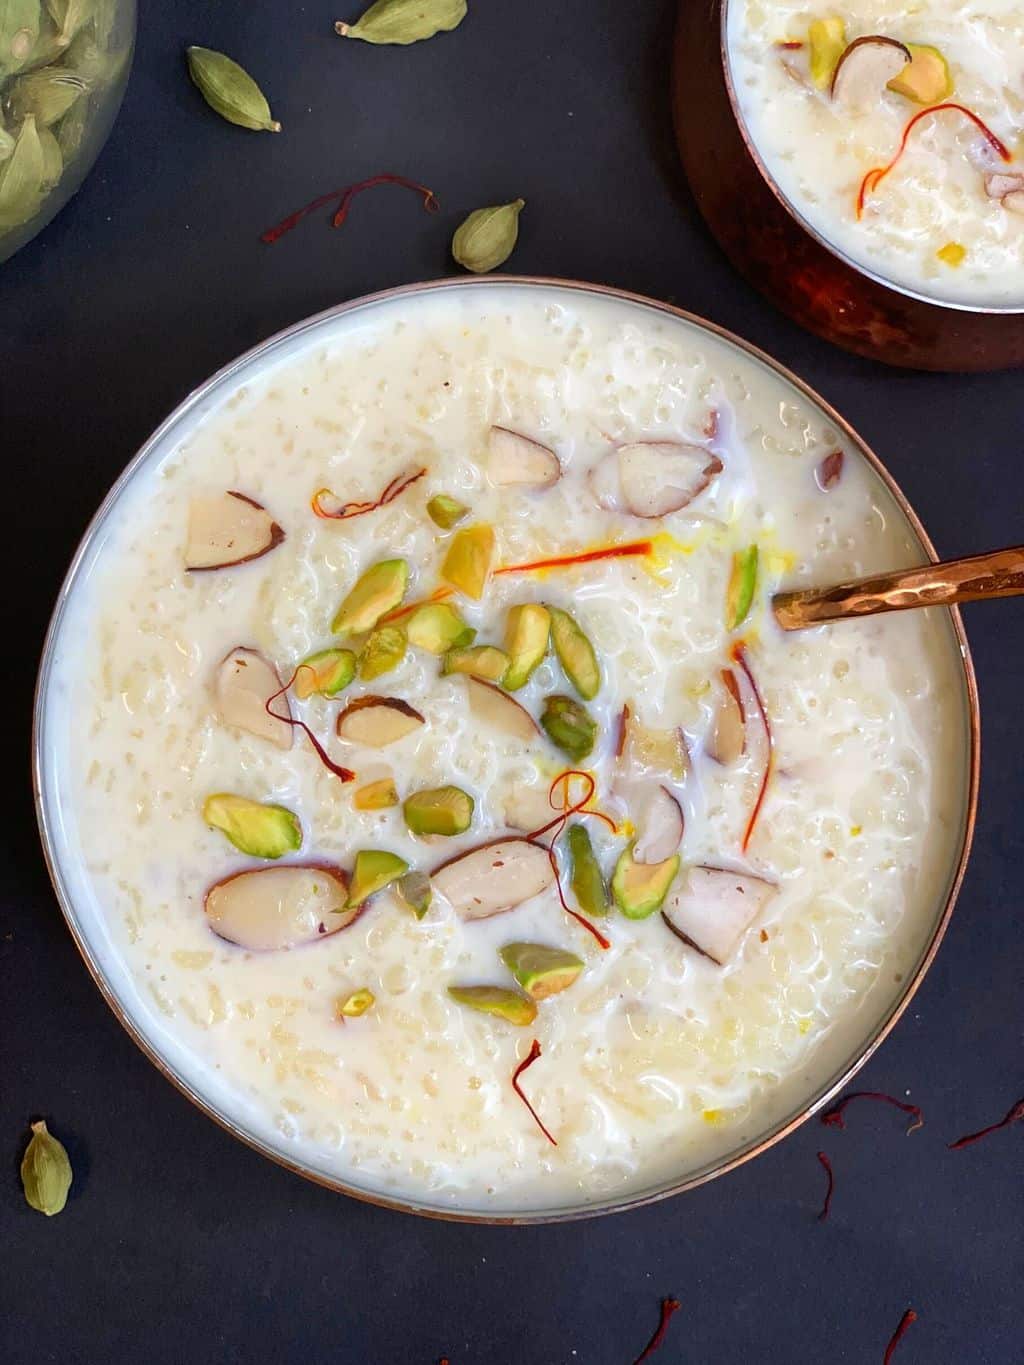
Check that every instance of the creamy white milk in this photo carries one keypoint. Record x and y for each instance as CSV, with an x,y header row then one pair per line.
x,y
931,225
655,1061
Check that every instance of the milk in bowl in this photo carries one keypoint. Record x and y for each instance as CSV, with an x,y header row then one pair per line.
x,y
895,132
428,779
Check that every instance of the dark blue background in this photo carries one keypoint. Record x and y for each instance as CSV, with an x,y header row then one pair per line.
x,y
180,1244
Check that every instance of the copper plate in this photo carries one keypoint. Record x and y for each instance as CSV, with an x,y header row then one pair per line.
x,y
783,256
204,399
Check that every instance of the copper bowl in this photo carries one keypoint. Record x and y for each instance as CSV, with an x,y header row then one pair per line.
x,y
834,1062
783,256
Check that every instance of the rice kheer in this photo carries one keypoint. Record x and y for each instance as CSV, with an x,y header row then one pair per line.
x,y
896,131
352,970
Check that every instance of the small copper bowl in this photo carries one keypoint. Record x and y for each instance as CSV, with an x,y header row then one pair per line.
x,y
784,257
839,1058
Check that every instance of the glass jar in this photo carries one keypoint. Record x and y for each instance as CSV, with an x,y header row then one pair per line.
x,y
64,66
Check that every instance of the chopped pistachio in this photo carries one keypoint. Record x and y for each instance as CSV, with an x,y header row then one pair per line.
x,y
479,661
356,1004
541,971
414,889
263,831
926,79
376,592
575,654
742,584
325,673
374,869
445,511
383,651
439,810
569,725
506,1004
640,888
379,795
467,565
827,39
586,880
526,641
438,627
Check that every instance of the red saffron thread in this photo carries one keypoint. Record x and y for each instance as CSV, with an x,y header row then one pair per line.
x,y
826,1207
833,1118
875,176
528,1061
739,655
1015,1115
345,774
789,44
631,549
668,1307
558,824
344,197
347,510
906,1321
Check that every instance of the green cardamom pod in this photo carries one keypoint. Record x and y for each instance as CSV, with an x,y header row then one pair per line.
x,y
45,95
53,158
45,1171
19,30
404,21
488,236
69,16
230,91
21,178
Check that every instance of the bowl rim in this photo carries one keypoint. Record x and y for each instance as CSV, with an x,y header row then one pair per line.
x,y
935,301
823,1094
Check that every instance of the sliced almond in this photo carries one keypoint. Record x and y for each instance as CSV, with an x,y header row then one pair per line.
x,y
518,462
865,69
497,710
999,185
494,877
527,808
658,818
603,482
377,721
1014,202
280,907
244,683
227,529
727,738
659,477
712,908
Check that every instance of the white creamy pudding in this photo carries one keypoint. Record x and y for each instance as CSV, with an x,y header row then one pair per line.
x,y
775,819
895,131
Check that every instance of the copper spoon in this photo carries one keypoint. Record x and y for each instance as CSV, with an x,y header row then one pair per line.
x,y
997,574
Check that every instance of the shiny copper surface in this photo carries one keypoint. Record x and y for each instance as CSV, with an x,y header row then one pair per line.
x,y
745,1149
999,573
790,263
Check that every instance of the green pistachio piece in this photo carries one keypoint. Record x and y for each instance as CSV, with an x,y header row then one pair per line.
x,y
640,888
569,725
742,583
587,880
506,1004
479,661
446,512
926,79
230,91
437,627
373,870
414,889
439,810
45,1171
827,40
404,21
575,654
383,651
354,1005
527,628
467,565
376,592
540,970
325,673
263,831
488,236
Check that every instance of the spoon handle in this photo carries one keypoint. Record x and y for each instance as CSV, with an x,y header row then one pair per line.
x,y
997,574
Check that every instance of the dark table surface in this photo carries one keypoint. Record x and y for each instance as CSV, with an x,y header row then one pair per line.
x,y
180,1244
